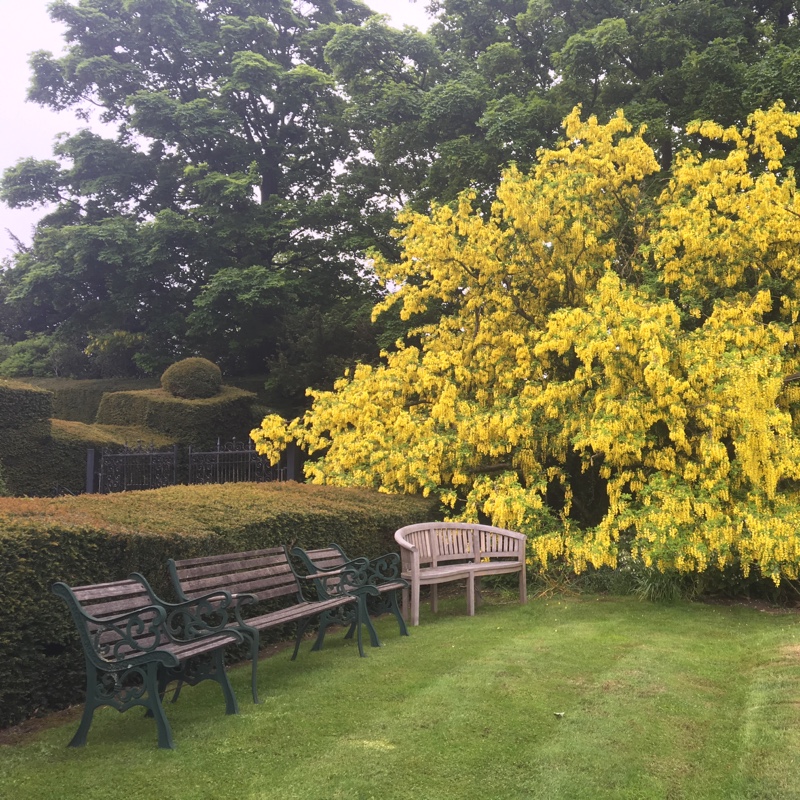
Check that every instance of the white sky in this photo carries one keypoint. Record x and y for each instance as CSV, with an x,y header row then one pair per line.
x,y
27,129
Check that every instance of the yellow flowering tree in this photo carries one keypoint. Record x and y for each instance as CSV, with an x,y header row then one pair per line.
x,y
602,324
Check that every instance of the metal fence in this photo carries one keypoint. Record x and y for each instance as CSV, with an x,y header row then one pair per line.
x,y
231,463
141,467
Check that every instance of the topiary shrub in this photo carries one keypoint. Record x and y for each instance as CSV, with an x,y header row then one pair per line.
x,y
192,379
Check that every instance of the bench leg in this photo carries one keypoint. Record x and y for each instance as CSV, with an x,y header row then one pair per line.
x,y
392,601
252,635
92,680
406,601
152,684
415,603
324,622
221,676
523,586
471,595
301,629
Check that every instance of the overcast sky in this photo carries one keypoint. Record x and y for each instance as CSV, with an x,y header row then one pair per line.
x,y
26,129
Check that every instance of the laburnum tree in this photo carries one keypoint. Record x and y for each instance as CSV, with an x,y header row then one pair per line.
x,y
614,367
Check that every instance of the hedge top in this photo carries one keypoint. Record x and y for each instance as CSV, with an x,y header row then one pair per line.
x,y
197,509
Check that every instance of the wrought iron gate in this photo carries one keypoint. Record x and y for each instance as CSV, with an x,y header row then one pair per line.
x,y
231,462
137,468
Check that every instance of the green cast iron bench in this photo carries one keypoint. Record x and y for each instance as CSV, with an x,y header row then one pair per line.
x,y
135,645
257,576
439,552
331,570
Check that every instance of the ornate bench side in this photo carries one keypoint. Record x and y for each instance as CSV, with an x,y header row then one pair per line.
x,y
131,656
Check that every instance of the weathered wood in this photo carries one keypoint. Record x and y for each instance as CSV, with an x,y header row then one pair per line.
x,y
438,552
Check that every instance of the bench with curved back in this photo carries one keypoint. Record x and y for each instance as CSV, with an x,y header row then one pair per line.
x,y
440,552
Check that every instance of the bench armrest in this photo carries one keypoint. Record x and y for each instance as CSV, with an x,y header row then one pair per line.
x,y
192,618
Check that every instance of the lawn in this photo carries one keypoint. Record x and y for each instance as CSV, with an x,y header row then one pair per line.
x,y
567,697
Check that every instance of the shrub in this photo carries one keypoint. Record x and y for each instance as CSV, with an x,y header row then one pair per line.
x,y
196,422
78,400
192,379
24,429
95,538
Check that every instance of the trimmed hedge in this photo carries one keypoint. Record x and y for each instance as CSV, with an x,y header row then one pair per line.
x,y
78,400
195,422
95,538
22,404
24,429
58,463
192,379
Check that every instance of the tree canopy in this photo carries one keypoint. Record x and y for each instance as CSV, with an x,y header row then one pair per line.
x,y
262,148
213,220
614,368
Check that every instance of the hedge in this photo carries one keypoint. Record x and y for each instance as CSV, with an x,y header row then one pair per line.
x,y
95,538
197,422
25,413
78,400
57,464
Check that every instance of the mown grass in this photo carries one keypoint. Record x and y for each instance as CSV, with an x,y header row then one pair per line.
x,y
658,701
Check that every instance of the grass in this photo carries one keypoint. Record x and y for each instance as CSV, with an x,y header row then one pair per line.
x,y
658,701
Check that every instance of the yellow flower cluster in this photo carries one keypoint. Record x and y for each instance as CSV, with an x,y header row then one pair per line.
x,y
646,334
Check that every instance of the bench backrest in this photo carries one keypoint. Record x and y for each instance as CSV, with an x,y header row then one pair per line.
x,y
446,542
266,574
92,605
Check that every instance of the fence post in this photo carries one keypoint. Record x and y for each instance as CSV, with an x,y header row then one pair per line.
x,y
292,461
90,470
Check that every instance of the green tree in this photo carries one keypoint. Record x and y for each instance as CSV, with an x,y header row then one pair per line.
x,y
214,221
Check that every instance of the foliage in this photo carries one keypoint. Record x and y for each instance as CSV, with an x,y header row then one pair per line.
x,y
614,366
78,400
95,538
25,413
260,149
212,216
198,422
192,379
490,82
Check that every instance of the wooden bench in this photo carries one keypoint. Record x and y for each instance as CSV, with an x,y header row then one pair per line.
x,y
133,649
439,552
256,576
329,566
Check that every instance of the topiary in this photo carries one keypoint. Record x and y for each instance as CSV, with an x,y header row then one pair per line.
x,y
192,379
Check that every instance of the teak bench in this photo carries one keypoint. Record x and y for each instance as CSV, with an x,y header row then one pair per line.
x,y
266,575
439,552
330,568
133,650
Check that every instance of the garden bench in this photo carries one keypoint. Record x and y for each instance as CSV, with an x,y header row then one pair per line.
x,y
135,645
331,569
439,552
257,576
